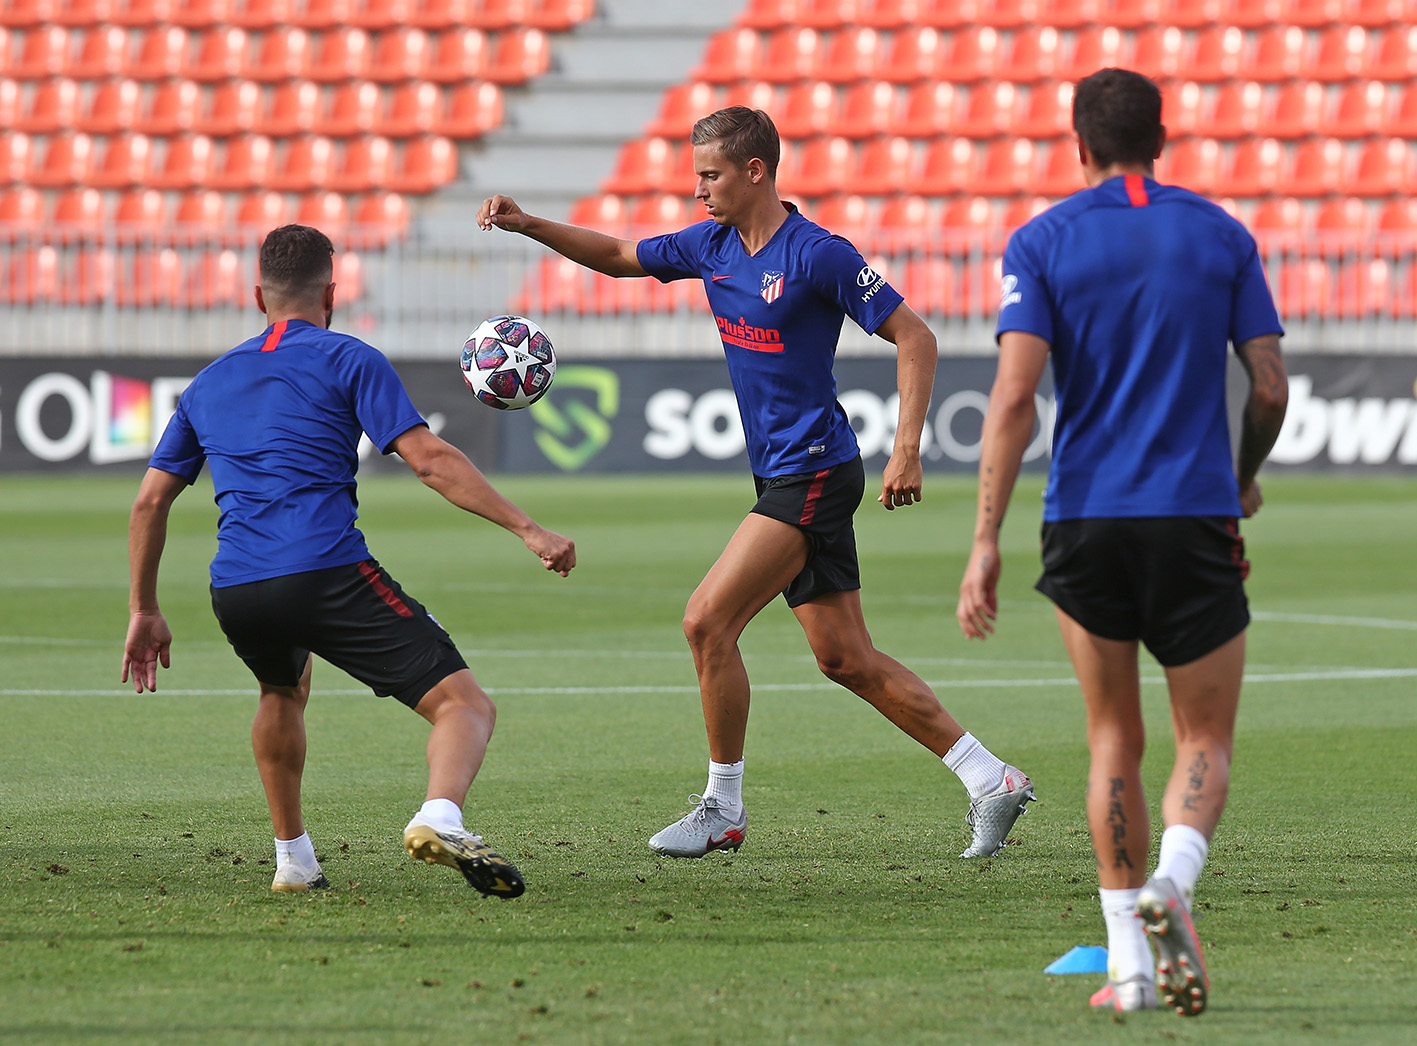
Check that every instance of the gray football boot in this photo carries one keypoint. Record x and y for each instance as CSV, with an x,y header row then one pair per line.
x,y
706,828
1180,969
992,816
1135,993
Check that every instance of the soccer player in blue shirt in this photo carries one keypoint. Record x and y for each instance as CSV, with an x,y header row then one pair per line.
x,y
1136,290
779,287
278,419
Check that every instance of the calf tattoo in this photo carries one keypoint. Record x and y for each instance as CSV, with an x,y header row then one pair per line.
x,y
1195,782
1117,822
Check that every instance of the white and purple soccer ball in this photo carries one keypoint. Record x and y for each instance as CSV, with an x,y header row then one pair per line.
x,y
508,362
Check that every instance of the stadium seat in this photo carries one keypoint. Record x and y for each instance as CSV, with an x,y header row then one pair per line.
x,y
425,164
791,55
1033,55
161,54
1238,110
643,165
869,109
413,108
308,163
1182,109
127,159
929,110
1305,288
1342,223
519,54
379,219
1007,14
349,276
21,14
1062,170
1255,14
946,167
294,109
1279,54
1384,169
851,54
262,14
326,211
235,108
44,51
1093,48
770,14
808,109
381,14
149,278
1256,169
440,14
886,164
10,97
1130,14
1006,169
967,217
733,54
322,14
930,285
103,53
1397,217
1070,14
1313,14
138,13
826,14
680,107
987,111
77,215
1159,52
1403,122
947,14
659,213
755,94
21,212
259,212
221,55
67,160
281,55
1320,167
90,279
1219,54
33,276
1193,164
199,14
338,55
54,106
1298,111
188,163
1280,222
201,216
355,108
17,153
826,166
498,14
846,215
1362,110
1342,54
470,110
903,224
557,16
215,281
365,163
1192,14
1375,14
1023,210
887,14
1396,55
113,106
248,162
914,55
605,213
400,55
973,55
140,215
1045,113
458,55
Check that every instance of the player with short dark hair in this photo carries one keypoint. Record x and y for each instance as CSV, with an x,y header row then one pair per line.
x,y
1136,290
780,287
278,419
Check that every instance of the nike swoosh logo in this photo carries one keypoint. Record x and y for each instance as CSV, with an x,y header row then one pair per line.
x,y
732,835
728,277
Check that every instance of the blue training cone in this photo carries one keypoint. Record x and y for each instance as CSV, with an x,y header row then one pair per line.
x,y
1082,959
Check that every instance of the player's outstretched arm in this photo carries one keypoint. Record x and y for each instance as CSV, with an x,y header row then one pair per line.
x,y
1008,426
916,357
1264,414
594,250
447,470
149,639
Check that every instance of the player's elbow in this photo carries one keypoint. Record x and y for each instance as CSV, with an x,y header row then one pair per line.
x,y
1271,403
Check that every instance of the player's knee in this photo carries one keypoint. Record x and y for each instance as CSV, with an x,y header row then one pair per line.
x,y
701,628
845,669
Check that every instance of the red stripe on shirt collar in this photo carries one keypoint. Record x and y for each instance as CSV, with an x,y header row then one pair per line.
x,y
273,338
1136,190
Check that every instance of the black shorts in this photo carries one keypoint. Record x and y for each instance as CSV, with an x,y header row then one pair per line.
x,y
356,617
821,505
1176,583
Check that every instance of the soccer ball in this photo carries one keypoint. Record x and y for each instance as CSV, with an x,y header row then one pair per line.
x,y
508,362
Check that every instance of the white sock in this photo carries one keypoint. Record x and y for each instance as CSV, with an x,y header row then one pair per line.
x,y
1128,953
1183,854
980,769
725,784
439,813
295,851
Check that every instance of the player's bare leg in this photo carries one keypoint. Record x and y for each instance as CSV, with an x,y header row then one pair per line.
x,y
278,740
462,716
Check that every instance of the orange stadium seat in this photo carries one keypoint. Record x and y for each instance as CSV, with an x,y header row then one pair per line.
x,y
791,54
349,275
1375,14
1320,167
292,109
827,165
104,52
946,14
200,215
1257,168
470,110
440,14
1384,168
458,55
1305,288
605,213
10,107
1280,222
1342,54
140,214
379,219
365,163
1159,52
259,212
1193,164
415,108
930,286
248,162
733,54
988,110
1219,54
498,14
1255,14
127,159
1404,118
323,14
33,276
1279,54
886,164
973,55
929,110
643,165
1006,169
755,94
1343,222
944,170
1061,174
1298,111
519,55
198,14
903,223
21,14
1008,14
1033,55
399,55
54,106
215,280
1070,14
281,55
1023,210
136,13
44,51
846,215
914,54
1046,113
1396,55
235,108
326,211
770,14
556,16
339,54
887,14
355,108
221,55
969,215
91,277
161,53
851,54
113,106
17,152
869,109
150,278
381,14
1363,110
1398,216
1192,14
78,214
808,109
659,213
1093,48
1238,110
308,163
1182,109
21,212
1130,14
188,164
173,107
826,14
262,14
67,160
680,107
425,164
1313,14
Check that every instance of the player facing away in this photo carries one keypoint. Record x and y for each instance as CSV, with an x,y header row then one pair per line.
x,y
1136,289
278,418
779,287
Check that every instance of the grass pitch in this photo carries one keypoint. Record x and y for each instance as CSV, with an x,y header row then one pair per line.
x,y
135,852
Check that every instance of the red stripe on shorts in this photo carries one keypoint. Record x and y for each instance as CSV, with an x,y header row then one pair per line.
x,y
273,338
1136,190
814,494
385,592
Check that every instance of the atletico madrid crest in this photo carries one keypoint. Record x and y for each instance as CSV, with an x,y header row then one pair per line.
x,y
772,286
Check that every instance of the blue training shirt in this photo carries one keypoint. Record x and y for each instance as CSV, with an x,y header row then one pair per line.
x,y
1138,288
779,315
279,419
